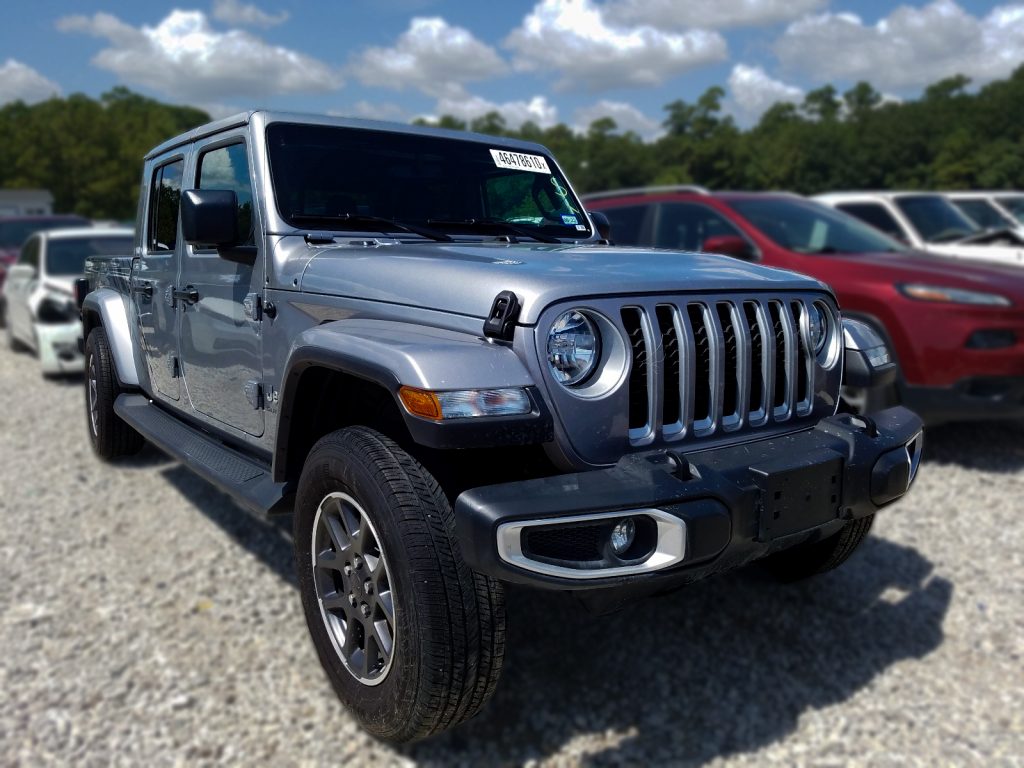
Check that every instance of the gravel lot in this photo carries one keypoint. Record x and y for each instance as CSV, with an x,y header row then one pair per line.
x,y
144,619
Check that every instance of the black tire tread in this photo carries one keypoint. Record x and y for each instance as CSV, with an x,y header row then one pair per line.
x,y
462,668
116,438
806,560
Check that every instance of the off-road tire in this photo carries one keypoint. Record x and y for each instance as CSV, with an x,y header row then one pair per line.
x,y
109,435
449,641
806,560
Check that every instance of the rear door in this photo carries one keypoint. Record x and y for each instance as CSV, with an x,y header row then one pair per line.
x,y
154,275
20,286
220,325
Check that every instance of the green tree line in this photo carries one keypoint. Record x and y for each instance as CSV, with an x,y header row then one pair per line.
x,y
88,152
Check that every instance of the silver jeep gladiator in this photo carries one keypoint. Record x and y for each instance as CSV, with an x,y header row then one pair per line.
x,y
419,343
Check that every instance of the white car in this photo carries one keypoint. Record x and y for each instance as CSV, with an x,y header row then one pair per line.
x,y
39,291
928,221
999,209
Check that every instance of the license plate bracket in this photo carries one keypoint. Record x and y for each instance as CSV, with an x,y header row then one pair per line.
x,y
798,493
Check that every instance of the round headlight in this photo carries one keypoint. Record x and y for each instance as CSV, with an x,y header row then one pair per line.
x,y
817,328
573,348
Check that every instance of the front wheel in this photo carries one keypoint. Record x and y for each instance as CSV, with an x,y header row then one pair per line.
x,y
411,639
810,559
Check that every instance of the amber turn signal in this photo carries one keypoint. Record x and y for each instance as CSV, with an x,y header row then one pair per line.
x,y
419,402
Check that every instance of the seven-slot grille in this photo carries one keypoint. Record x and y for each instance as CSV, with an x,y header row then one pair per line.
x,y
709,366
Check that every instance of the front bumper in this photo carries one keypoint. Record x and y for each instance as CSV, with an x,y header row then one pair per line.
x,y
58,347
732,505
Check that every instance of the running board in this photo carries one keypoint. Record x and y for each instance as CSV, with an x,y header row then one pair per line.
x,y
248,482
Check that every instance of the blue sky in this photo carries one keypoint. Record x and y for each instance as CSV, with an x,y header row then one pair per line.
x,y
548,60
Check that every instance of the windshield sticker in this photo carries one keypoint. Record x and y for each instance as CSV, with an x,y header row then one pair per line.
x,y
520,162
563,193
581,227
566,219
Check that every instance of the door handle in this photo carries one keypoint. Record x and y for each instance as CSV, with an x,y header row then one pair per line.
x,y
188,294
144,287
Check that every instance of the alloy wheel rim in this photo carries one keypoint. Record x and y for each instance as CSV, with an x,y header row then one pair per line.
x,y
94,411
353,588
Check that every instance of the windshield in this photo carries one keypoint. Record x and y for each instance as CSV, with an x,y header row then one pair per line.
x,y
808,227
14,232
1014,204
359,180
65,257
935,218
983,213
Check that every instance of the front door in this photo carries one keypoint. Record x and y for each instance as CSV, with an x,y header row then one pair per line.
x,y
220,325
153,278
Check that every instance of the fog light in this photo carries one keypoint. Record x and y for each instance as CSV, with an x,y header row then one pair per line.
x,y
622,535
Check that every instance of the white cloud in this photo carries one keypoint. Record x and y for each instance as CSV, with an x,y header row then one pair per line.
x,y
538,110
184,58
626,116
431,56
242,14
709,14
574,39
909,48
19,82
752,91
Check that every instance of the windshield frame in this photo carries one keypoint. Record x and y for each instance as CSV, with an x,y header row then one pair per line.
x,y
278,189
878,240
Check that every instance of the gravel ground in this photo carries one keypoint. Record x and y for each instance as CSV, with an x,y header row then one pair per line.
x,y
144,619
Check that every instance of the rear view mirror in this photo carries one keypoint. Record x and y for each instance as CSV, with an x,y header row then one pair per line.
x,y
604,226
209,217
729,245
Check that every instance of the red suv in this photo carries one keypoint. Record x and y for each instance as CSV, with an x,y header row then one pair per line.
x,y
955,327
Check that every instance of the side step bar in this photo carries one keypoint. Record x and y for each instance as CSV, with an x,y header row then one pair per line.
x,y
248,482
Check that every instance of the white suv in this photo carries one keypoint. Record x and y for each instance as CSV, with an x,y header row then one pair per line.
x,y
39,291
928,221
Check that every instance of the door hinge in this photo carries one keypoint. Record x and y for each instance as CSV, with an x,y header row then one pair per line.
x,y
254,394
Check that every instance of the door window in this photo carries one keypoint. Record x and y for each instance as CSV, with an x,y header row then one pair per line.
x,y
628,224
228,168
875,215
685,226
164,201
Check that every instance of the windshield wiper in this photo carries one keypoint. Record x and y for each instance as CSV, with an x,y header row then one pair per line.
x,y
377,224
495,224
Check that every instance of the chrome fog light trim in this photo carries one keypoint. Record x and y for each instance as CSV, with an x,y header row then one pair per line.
x,y
669,549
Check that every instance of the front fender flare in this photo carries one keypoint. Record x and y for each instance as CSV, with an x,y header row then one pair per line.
x,y
109,307
394,354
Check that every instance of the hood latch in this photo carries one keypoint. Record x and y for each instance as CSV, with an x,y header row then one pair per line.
x,y
501,320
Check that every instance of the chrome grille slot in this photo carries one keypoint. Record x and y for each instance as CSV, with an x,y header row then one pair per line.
x,y
640,421
709,367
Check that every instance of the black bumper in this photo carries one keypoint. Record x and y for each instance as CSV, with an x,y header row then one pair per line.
x,y
986,398
738,503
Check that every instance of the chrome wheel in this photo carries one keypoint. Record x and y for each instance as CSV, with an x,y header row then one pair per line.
x,y
94,408
353,588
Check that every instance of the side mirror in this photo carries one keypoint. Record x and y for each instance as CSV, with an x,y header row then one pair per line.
x,y
209,217
604,226
728,245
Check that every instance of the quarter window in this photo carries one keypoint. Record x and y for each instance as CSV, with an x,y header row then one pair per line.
x,y
227,168
165,199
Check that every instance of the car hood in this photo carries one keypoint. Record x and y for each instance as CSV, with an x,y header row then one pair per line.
x,y
1002,253
935,269
60,284
465,278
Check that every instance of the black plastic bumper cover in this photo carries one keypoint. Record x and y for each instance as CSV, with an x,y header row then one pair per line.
x,y
739,502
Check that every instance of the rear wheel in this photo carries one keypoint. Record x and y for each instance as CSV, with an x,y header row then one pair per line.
x,y
806,560
411,639
109,435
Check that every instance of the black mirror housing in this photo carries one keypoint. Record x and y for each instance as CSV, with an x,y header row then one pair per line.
x,y
209,217
603,224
